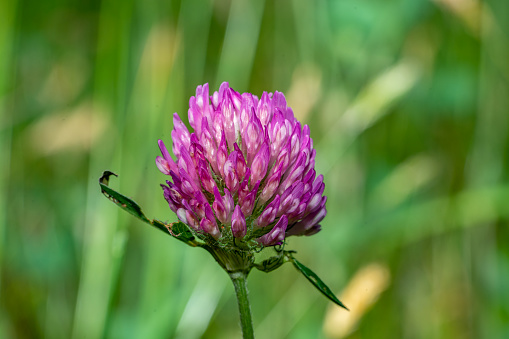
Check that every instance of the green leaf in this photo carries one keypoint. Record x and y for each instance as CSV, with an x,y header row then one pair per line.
x,y
317,282
177,230
269,265
119,199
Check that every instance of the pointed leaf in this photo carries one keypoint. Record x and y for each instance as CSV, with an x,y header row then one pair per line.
x,y
177,229
119,199
317,282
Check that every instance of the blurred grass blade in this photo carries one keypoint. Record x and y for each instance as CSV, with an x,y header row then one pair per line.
x,y
317,282
369,107
243,28
177,230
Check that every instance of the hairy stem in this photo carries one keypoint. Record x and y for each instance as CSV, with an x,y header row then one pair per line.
x,y
239,280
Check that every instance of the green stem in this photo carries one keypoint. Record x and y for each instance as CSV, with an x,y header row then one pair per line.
x,y
239,280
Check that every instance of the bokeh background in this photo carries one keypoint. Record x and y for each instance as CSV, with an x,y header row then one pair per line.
x,y
408,104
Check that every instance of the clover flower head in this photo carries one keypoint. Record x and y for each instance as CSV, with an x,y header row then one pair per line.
x,y
245,177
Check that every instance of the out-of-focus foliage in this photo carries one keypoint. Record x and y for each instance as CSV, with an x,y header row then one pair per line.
x,y
408,104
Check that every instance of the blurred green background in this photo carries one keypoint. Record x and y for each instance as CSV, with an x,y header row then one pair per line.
x,y
408,104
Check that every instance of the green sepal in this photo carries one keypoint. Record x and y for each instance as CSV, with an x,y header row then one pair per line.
x,y
317,282
177,230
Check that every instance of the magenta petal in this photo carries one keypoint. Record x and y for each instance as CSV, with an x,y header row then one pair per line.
x,y
208,223
195,116
265,110
282,161
269,213
218,126
271,186
279,101
241,162
248,202
181,131
222,155
164,150
245,110
186,162
294,174
253,137
196,150
238,223
279,132
230,172
207,181
301,227
163,165
209,227
168,195
219,207
290,199
191,220
209,148
244,186
260,163
277,234
229,204
228,109
295,142
315,201
181,214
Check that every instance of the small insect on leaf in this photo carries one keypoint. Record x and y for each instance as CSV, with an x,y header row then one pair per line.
x,y
105,178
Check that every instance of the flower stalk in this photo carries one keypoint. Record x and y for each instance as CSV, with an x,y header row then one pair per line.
x,y
239,280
